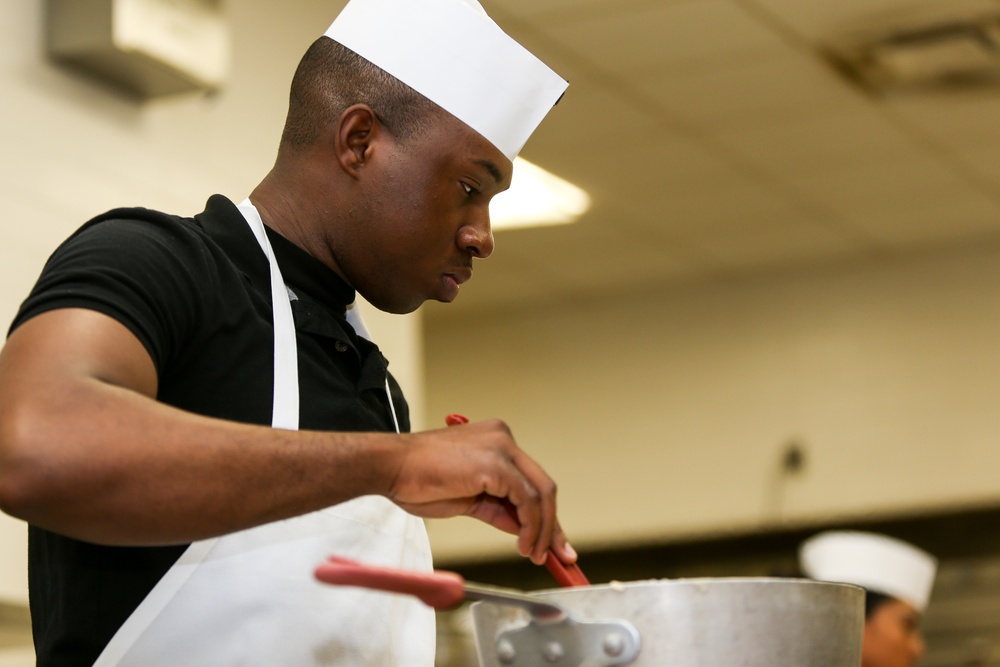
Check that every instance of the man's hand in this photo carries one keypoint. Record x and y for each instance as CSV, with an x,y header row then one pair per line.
x,y
472,470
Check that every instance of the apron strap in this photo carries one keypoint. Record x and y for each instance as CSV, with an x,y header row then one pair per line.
x,y
285,413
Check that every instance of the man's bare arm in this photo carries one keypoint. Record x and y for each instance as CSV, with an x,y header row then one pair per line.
x,y
87,451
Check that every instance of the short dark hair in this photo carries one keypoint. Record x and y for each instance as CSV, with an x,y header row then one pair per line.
x,y
873,601
330,78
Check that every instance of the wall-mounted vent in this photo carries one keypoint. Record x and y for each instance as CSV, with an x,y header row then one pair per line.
x,y
146,47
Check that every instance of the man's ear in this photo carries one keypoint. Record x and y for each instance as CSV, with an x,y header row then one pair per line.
x,y
357,131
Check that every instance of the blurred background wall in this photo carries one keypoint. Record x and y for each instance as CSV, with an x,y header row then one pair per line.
x,y
668,414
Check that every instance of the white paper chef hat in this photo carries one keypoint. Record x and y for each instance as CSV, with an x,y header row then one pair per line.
x,y
876,562
451,52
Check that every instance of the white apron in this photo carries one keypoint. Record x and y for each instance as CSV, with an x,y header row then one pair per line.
x,y
249,598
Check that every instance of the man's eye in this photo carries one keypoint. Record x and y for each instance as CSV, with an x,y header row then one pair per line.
x,y
469,190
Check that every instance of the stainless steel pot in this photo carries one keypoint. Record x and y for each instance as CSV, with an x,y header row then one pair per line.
x,y
744,622
735,622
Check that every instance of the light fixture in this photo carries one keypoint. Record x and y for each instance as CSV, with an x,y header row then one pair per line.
x,y
537,198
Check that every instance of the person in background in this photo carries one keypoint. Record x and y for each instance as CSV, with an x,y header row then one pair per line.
x,y
897,578
192,416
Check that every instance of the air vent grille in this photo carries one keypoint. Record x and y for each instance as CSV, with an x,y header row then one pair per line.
x,y
955,54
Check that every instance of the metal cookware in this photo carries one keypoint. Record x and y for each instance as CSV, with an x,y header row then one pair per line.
x,y
729,622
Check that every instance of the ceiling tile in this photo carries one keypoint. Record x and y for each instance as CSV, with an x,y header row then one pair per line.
x,y
589,114
638,166
644,39
777,84
936,220
598,255
782,237
741,220
959,115
593,257
551,9
979,157
811,142
904,197
822,22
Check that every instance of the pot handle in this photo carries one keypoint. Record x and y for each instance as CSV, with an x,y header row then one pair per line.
x,y
438,589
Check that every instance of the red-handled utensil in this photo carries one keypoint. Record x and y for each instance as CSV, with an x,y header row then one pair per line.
x,y
439,589
566,575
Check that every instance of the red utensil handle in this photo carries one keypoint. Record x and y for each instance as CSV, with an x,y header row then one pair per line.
x,y
566,575
440,590
455,420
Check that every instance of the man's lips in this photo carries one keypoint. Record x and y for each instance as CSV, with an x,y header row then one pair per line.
x,y
460,275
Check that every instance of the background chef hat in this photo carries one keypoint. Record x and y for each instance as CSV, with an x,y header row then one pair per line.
x,y
878,563
451,52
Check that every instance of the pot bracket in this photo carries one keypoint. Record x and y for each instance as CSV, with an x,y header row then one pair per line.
x,y
569,642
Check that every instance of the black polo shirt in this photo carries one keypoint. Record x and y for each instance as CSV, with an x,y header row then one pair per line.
x,y
196,293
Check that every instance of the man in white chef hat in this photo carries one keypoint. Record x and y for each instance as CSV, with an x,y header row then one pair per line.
x,y
154,382
897,578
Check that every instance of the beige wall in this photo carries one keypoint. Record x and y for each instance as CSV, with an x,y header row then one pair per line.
x,y
666,414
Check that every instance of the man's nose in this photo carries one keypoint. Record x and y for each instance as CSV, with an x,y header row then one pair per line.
x,y
476,235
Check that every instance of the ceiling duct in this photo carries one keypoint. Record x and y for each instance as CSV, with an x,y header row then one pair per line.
x,y
952,54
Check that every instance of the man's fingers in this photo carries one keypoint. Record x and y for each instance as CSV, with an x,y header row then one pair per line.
x,y
537,511
497,512
562,548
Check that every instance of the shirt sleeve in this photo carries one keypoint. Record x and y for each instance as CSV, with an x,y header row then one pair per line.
x,y
147,274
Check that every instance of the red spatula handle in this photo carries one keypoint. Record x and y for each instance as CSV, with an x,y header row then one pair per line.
x,y
440,590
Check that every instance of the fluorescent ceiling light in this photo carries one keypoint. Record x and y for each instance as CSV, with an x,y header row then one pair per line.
x,y
537,198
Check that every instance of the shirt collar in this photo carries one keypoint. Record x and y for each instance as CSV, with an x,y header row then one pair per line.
x,y
225,225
